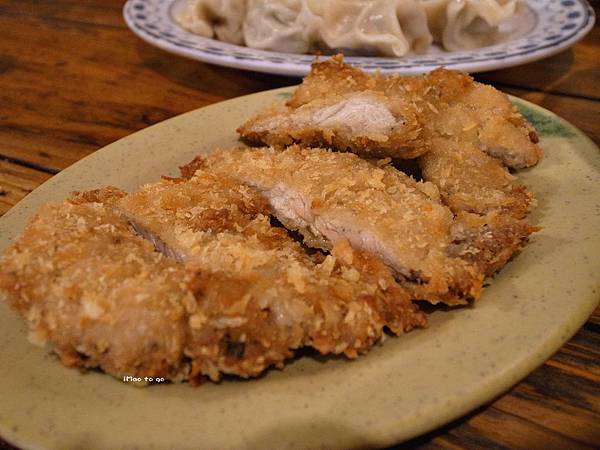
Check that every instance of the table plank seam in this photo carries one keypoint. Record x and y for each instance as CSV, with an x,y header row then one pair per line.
x,y
592,326
537,425
29,164
60,20
503,85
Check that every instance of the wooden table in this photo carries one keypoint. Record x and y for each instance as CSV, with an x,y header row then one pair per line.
x,y
73,78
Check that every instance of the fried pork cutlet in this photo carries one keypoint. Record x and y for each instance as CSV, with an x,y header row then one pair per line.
x,y
268,294
366,122
328,196
488,186
97,292
464,122
246,297
456,107
447,103
490,206
472,131
475,136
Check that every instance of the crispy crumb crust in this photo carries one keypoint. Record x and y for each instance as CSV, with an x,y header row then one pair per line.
x,y
446,103
239,297
488,241
253,275
311,124
473,133
472,181
336,309
230,294
97,292
327,196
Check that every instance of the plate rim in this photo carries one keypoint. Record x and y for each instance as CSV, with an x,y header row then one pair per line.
x,y
301,69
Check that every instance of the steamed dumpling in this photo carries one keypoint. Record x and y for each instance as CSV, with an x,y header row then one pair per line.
x,y
367,27
220,18
384,27
281,25
468,24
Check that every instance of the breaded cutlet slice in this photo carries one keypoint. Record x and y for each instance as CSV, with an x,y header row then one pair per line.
x,y
367,122
454,106
447,103
489,241
489,204
471,181
472,129
476,133
328,196
473,133
268,295
102,296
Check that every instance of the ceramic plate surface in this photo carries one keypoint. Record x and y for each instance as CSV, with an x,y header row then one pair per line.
x,y
402,388
545,28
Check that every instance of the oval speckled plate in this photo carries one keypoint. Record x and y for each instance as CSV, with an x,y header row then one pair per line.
x,y
405,387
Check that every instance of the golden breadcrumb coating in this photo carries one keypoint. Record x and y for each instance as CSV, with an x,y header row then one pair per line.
x,y
490,205
328,196
366,122
456,107
238,296
488,241
471,181
332,76
187,278
97,292
447,103
473,132
267,294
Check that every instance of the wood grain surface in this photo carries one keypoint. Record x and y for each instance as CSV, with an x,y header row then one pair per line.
x,y
73,78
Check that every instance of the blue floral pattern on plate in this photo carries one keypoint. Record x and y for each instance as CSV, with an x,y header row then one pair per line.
x,y
553,25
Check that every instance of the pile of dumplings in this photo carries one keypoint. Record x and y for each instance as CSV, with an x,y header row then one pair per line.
x,y
361,27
